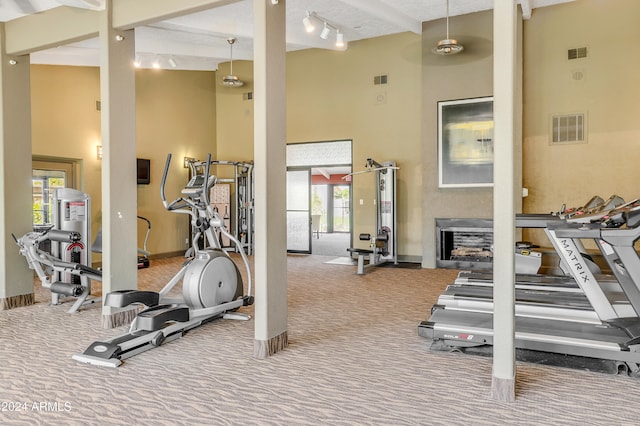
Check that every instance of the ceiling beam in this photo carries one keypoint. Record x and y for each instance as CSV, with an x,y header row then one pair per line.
x,y
56,27
64,25
387,13
525,5
323,172
128,14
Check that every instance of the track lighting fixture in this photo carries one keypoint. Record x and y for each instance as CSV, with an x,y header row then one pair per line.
x,y
172,62
309,26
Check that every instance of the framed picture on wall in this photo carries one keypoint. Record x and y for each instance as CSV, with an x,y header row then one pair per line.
x,y
465,143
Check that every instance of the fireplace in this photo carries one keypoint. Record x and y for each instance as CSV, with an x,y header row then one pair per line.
x,y
464,243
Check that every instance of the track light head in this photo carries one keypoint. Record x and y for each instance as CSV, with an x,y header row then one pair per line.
x,y
339,39
308,25
325,32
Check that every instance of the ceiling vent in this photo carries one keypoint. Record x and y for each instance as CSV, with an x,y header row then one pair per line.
x,y
577,53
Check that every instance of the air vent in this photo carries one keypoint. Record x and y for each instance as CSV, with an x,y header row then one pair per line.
x,y
380,79
568,128
247,96
580,52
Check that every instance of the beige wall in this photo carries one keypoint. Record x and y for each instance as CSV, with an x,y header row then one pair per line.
x,y
331,96
234,117
608,93
234,114
66,123
465,75
175,114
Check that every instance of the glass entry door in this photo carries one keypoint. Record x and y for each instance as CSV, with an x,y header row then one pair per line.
x,y
299,211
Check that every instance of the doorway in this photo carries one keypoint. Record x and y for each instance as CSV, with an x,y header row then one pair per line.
x,y
48,174
319,219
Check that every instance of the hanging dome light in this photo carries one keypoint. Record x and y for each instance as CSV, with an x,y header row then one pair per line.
x,y
448,46
231,80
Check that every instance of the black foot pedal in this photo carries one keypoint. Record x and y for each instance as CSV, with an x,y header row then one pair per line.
x,y
122,298
156,317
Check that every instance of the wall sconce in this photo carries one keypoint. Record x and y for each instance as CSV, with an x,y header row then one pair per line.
x,y
99,152
187,160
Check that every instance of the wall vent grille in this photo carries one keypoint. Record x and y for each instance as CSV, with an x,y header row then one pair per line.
x,y
577,53
380,79
568,128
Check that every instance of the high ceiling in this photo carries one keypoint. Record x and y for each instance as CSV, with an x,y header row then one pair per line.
x,y
199,41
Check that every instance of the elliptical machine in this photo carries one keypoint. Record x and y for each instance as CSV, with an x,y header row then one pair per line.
x,y
211,283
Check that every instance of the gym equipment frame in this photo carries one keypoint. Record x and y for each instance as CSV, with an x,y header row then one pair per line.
x,y
383,245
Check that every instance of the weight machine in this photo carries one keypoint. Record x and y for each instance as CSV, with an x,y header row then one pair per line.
x,y
59,253
242,187
383,245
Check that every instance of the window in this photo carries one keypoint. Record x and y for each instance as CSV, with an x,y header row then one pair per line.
x,y
47,175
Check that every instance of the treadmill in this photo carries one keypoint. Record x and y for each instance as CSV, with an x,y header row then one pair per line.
x,y
597,334
593,210
548,295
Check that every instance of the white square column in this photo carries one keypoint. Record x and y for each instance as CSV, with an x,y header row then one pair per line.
x,y
119,191
504,216
16,279
270,177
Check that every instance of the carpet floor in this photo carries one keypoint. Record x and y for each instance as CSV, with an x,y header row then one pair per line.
x,y
354,358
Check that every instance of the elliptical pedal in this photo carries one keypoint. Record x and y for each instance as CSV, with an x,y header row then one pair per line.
x,y
122,298
156,317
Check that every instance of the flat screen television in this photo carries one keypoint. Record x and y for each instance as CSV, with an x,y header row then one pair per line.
x,y
144,171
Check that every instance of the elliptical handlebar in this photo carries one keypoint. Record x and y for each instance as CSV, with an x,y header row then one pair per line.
x,y
205,187
180,204
164,181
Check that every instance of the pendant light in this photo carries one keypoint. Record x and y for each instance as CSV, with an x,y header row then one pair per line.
x,y
448,46
231,80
